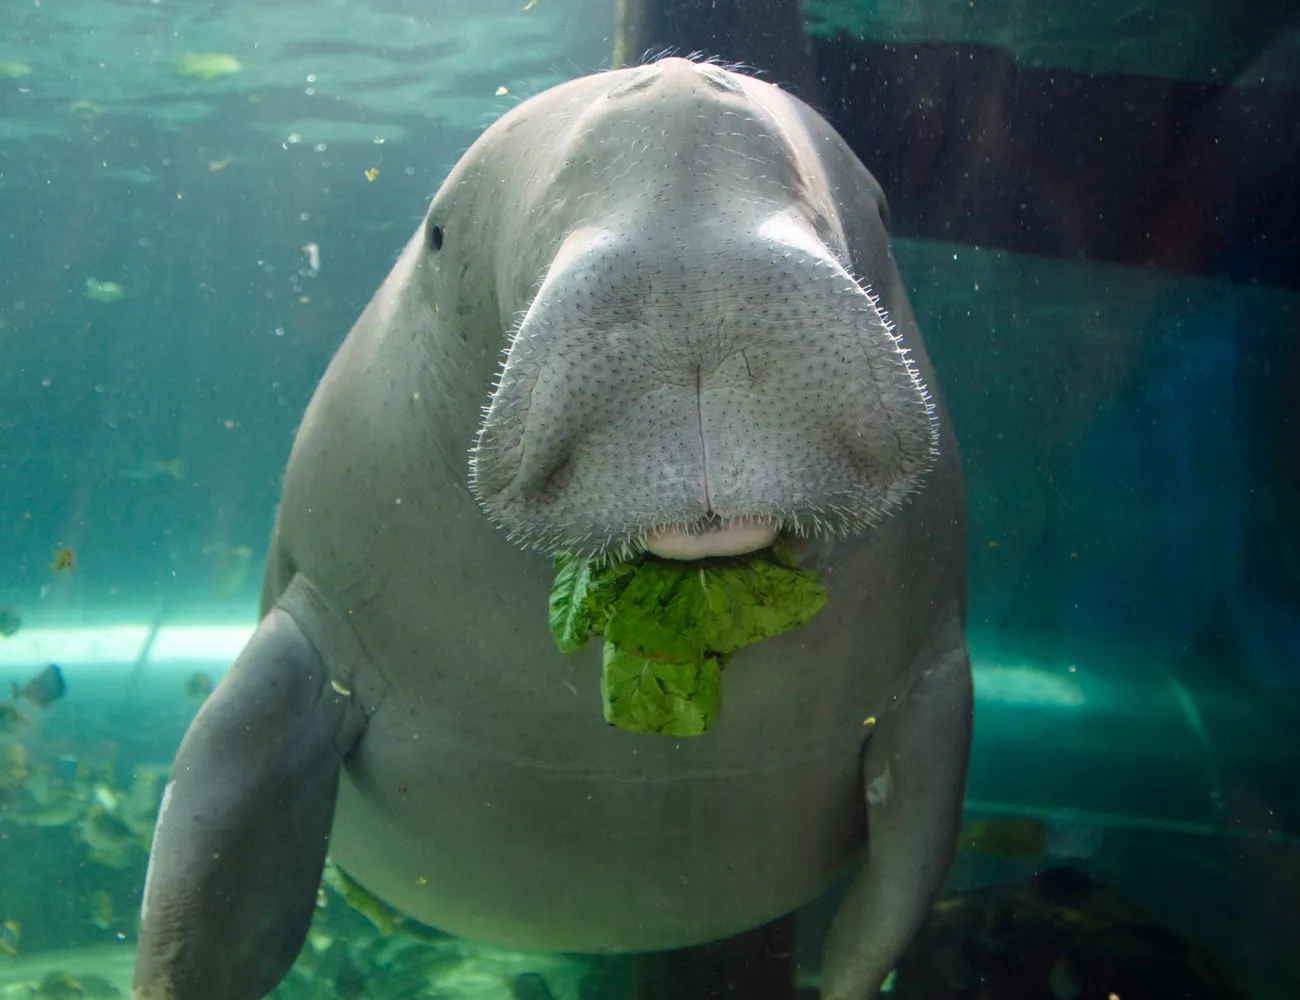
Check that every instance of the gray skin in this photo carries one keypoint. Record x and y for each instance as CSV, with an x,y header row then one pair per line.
x,y
668,255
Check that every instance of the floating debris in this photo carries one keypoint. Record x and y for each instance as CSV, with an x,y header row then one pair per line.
x,y
502,91
207,65
103,291
63,561
9,622
46,687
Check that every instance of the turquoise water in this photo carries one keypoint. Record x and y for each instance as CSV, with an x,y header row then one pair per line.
x,y
185,244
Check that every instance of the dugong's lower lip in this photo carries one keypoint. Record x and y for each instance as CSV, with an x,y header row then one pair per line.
x,y
742,535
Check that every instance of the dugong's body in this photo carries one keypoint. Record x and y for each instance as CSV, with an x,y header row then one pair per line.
x,y
683,264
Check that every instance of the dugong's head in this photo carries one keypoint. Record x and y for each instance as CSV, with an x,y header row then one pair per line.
x,y
677,263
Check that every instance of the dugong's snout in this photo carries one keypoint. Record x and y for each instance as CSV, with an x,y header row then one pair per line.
x,y
698,399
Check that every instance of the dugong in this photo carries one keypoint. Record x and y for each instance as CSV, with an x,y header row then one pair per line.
x,y
653,308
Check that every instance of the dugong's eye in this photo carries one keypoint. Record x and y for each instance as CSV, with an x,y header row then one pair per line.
x,y
433,237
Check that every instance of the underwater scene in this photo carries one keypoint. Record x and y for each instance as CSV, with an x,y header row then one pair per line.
x,y
1068,387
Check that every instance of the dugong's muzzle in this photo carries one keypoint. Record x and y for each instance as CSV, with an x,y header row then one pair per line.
x,y
700,392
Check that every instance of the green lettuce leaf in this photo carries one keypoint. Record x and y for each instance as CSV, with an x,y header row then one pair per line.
x,y
671,625
754,599
663,612
658,696
582,598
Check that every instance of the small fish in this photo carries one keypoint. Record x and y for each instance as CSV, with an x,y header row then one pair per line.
x,y
85,111
349,979
198,687
99,988
1005,837
231,571
11,932
173,468
102,912
15,766
46,687
108,799
62,809
12,721
109,838
63,560
139,806
372,173
12,69
1063,834
65,986
9,622
103,291
312,250
207,65
215,165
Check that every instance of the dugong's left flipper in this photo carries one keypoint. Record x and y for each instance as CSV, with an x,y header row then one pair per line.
x,y
914,775
244,825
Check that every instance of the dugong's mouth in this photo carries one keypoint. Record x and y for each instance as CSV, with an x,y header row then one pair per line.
x,y
712,536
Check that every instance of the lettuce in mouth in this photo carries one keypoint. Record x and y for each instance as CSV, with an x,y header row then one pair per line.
x,y
670,627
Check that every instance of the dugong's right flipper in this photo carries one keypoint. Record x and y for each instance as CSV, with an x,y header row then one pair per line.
x,y
914,777
244,825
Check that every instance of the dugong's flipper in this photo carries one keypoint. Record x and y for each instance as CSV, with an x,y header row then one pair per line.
x,y
914,776
245,821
